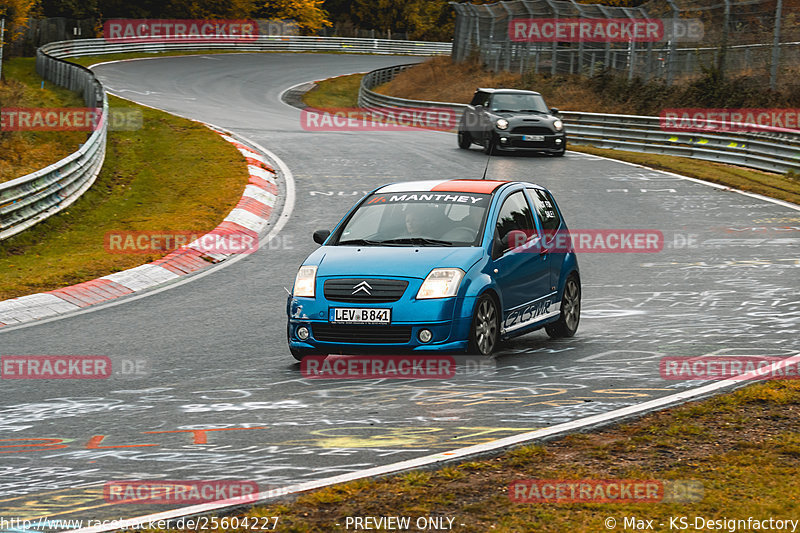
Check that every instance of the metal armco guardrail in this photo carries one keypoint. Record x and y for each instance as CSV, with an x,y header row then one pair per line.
x,y
30,199
773,151
264,43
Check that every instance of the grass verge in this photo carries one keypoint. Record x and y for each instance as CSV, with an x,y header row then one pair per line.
x,y
338,92
23,152
172,175
742,448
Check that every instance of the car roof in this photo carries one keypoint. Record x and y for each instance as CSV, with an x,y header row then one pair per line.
x,y
454,185
508,91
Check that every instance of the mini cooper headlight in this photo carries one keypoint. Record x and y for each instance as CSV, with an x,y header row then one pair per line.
x,y
501,124
441,283
304,281
558,125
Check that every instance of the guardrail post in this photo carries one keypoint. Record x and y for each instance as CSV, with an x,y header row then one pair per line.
x,y
508,37
776,48
2,34
723,48
631,50
579,9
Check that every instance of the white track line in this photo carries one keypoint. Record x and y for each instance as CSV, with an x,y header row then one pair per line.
x,y
757,196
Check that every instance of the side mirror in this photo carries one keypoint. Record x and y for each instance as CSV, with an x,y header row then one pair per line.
x,y
515,238
497,246
321,235
554,111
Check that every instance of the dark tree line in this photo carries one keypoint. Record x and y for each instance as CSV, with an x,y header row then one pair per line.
x,y
420,19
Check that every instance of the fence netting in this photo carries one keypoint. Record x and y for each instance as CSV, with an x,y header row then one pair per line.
x,y
664,39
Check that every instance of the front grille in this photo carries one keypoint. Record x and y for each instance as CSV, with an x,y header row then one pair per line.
x,y
361,334
532,130
547,143
380,290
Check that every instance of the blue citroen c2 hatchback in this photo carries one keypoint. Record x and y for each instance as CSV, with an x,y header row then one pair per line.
x,y
436,266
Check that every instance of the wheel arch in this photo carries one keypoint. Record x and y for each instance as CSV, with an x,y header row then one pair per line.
x,y
568,268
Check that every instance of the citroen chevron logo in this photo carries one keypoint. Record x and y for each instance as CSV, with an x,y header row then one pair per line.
x,y
363,286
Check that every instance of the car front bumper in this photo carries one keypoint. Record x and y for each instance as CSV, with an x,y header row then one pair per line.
x,y
448,320
516,142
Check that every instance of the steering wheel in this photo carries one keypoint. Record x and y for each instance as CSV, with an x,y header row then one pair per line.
x,y
460,233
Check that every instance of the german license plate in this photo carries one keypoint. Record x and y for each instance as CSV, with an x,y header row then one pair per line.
x,y
537,138
359,315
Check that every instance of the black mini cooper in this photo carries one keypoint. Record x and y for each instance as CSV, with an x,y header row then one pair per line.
x,y
511,119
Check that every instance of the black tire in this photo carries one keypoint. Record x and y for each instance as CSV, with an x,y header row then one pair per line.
x,y
464,139
484,333
490,148
570,317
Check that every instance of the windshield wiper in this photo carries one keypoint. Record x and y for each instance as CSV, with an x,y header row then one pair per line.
x,y
361,242
417,240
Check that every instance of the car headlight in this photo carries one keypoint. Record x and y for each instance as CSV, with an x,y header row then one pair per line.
x,y
441,283
304,281
501,124
558,125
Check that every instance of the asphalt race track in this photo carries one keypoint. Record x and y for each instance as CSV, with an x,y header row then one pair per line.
x,y
725,283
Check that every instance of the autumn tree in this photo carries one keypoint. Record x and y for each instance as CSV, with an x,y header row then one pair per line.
x,y
74,9
16,13
308,14
173,9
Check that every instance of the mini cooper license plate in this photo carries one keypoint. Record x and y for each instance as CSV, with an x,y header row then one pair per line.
x,y
537,138
350,315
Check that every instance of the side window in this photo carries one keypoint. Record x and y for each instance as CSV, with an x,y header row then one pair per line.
x,y
503,102
515,215
545,209
480,99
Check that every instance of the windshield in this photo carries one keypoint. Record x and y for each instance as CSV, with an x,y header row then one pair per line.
x,y
517,103
417,219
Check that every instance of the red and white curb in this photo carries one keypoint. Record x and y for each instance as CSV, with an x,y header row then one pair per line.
x,y
248,219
